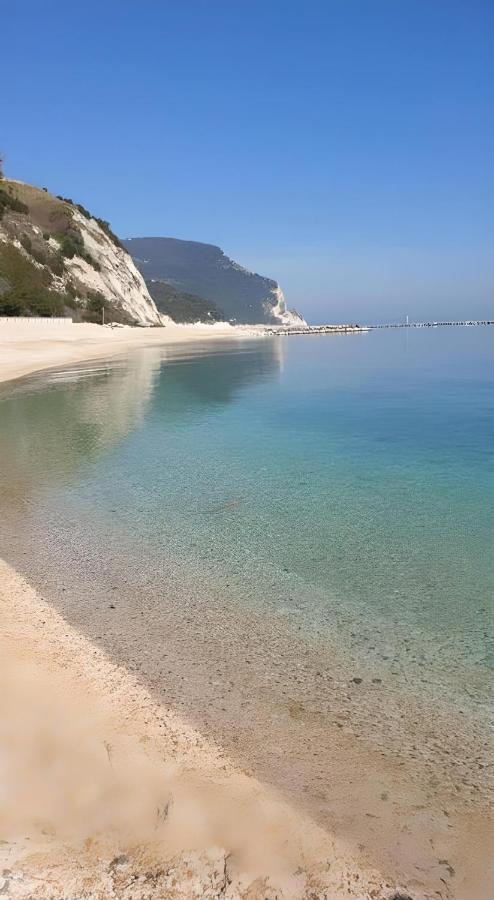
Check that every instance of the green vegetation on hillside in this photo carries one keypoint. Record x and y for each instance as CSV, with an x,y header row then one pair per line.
x,y
39,235
103,224
8,201
24,289
72,244
95,303
181,306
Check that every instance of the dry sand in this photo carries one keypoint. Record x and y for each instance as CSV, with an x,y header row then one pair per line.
x,y
27,347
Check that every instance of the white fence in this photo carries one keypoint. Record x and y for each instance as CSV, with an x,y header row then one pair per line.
x,y
36,320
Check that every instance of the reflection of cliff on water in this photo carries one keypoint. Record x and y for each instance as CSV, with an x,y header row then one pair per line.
x,y
203,381
52,426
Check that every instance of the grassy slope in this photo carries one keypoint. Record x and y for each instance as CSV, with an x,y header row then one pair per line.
x,y
25,288
33,278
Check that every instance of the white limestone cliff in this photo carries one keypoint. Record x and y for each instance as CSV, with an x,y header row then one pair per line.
x,y
118,280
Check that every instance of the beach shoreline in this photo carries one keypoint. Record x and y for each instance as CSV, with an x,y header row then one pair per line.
x,y
112,794
258,846
63,656
27,348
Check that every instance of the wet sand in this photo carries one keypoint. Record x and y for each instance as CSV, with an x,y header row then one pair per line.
x,y
402,780
107,793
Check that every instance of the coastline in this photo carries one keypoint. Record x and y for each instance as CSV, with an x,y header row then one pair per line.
x,y
123,714
27,348
112,794
201,827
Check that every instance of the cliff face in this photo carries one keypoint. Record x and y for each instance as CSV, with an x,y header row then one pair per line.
x,y
56,259
204,270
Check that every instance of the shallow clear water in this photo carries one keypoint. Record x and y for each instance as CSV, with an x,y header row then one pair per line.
x,y
355,471
289,540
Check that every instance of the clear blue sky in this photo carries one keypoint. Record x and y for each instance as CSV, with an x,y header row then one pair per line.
x,y
344,147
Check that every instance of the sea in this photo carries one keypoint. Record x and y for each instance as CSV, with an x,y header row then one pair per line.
x,y
289,540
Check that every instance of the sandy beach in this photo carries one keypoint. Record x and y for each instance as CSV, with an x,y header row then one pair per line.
x,y
27,347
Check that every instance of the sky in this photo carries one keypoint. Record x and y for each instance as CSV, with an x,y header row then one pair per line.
x,y
343,147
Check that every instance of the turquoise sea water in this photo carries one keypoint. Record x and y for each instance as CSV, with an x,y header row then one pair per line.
x,y
357,467
286,537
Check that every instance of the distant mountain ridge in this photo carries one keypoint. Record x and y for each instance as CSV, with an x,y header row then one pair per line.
x,y
57,259
205,271
181,306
